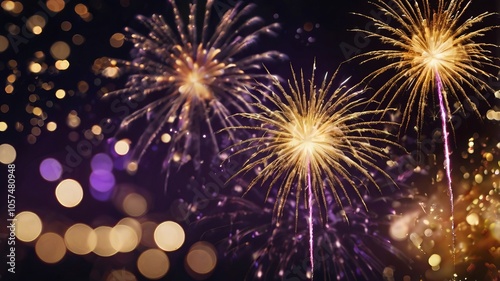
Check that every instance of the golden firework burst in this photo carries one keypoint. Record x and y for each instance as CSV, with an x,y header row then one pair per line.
x,y
192,78
313,137
428,45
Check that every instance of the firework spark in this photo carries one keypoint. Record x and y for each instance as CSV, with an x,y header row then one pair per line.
x,y
311,129
312,140
345,249
432,50
426,46
193,77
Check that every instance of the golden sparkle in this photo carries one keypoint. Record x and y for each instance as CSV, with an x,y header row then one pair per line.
x,y
426,43
316,131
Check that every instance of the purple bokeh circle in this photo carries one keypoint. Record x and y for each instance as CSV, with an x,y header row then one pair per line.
x,y
51,169
101,161
102,180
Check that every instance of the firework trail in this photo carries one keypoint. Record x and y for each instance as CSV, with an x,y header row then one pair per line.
x,y
190,78
431,49
313,139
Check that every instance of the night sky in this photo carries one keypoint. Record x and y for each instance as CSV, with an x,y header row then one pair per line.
x,y
31,106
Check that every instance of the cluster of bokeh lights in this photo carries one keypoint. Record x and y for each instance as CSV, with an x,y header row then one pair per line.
x,y
150,239
426,228
126,236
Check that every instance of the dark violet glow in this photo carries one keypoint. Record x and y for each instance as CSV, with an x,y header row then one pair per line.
x,y
120,162
101,180
101,161
101,196
51,169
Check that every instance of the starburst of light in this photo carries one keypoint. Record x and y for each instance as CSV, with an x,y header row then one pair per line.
x,y
191,78
311,141
313,132
427,45
432,50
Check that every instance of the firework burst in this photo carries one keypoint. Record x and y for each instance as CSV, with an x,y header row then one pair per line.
x,y
432,50
191,77
313,138
311,141
430,47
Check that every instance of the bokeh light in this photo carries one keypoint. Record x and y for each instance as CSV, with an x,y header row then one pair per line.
x,y
81,9
101,161
50,247
80,239
111,72
166,138
102,180
55,5
134,224
153,264
60,94
96,130
50,169
201,259
51,126
7,153
28,226
9,89
132,167
495,230
35,24
116,40
135,205
8,5
62,64
18,7
434,260
104,247
472,219
400,227
35,67
66,26
122,147
78,39
69,193
169,236
60,50
4,43
121,275
388,273
123,238
73,120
